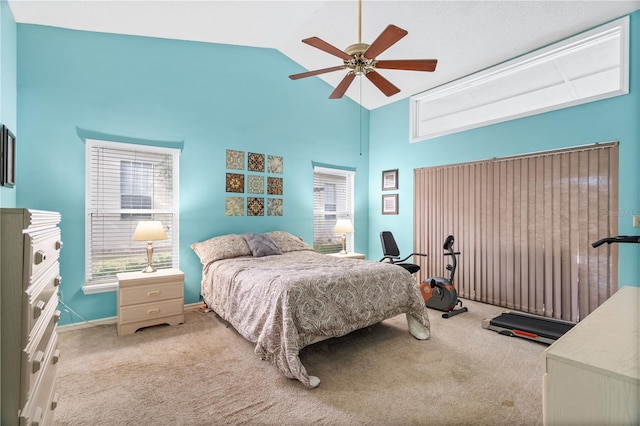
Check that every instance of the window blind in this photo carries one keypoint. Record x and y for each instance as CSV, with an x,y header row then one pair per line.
x,y
524,226
332,200
125,184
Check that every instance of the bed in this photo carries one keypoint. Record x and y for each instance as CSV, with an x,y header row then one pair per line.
x,y
280,294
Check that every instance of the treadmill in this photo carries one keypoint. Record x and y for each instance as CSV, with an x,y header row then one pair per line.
x,y
527,326
542,329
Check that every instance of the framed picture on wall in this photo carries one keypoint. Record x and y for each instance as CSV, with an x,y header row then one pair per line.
x,y
390,204
389,180
7,158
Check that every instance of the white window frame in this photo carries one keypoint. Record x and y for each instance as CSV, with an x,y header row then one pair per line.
x,y
344,209
99,286
587,67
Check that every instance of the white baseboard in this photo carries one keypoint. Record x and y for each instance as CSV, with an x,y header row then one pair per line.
x,y
112,320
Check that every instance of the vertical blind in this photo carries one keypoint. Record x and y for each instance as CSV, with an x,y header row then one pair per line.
x,y
524,226
126,184
332,200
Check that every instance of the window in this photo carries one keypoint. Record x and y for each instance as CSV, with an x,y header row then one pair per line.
x,y
136,187
127,183
590,66
332,200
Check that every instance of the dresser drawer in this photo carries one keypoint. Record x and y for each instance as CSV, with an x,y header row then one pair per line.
x,y
149,311
42,248
150,293
38,411
41,363
40,292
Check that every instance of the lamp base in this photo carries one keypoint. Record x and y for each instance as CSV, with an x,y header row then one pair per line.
x,y
344,244
149,268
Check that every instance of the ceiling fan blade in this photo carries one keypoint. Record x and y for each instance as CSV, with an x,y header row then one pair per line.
x,y
326,47
343,86
382,83
316,72
385,40
409,64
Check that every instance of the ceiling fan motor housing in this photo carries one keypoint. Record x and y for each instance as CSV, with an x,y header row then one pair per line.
x,y
358,63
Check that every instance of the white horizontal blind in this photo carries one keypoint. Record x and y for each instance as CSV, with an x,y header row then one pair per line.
x,y
332,200
126,184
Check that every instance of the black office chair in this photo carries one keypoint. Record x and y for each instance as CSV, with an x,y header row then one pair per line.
x,y
391,252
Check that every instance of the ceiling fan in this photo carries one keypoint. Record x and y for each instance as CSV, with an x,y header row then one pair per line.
x,y
360,58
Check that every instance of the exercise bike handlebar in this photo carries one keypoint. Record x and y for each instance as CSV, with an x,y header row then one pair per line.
x,y
618,239
448,246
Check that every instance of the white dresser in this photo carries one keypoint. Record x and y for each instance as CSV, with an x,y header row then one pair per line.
x,y
29,271
593,371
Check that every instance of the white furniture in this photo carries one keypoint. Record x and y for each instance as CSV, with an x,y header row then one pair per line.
x,y
150,298
29,272
349,255
593,371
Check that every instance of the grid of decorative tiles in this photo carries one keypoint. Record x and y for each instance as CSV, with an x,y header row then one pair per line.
x,y
248,172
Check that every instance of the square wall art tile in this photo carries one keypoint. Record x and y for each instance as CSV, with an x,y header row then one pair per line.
x,y
234,206
256,162
255,206
255,184
235,182
275,164
274,206
274,186
235,159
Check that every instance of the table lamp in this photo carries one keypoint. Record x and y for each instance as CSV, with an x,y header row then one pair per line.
x,y
149,231
344,226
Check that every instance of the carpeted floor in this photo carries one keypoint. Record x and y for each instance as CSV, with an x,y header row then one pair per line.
x,y
204,373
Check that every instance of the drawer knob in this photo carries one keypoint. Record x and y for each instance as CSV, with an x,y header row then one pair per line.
x,y
58,245
37,362
153,293
37,417
37,309
57,280
153,311
40,257
54,401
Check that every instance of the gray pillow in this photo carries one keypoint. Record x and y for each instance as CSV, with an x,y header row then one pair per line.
x,y
261,245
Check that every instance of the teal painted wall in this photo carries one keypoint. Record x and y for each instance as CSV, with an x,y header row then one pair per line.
x,y
615,119
8,97
207,97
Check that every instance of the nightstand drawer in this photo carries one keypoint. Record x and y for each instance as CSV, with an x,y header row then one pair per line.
x,y
150,293
149,311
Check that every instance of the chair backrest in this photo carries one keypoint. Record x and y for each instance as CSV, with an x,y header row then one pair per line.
x,y
389,246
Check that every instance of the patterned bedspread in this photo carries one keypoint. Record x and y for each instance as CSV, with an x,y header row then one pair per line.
x,y
284,302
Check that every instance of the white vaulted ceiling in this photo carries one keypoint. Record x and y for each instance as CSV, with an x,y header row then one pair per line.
x,y
465,36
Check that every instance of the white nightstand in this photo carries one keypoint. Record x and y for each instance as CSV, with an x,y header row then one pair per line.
x,y
146,299
349,255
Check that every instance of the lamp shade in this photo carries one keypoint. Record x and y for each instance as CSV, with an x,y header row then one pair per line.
x,y
149,230
344,226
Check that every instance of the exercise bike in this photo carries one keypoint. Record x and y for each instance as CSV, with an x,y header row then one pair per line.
x,y
439,292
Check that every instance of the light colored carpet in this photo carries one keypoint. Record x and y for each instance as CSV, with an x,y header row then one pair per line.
x,y
204,373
